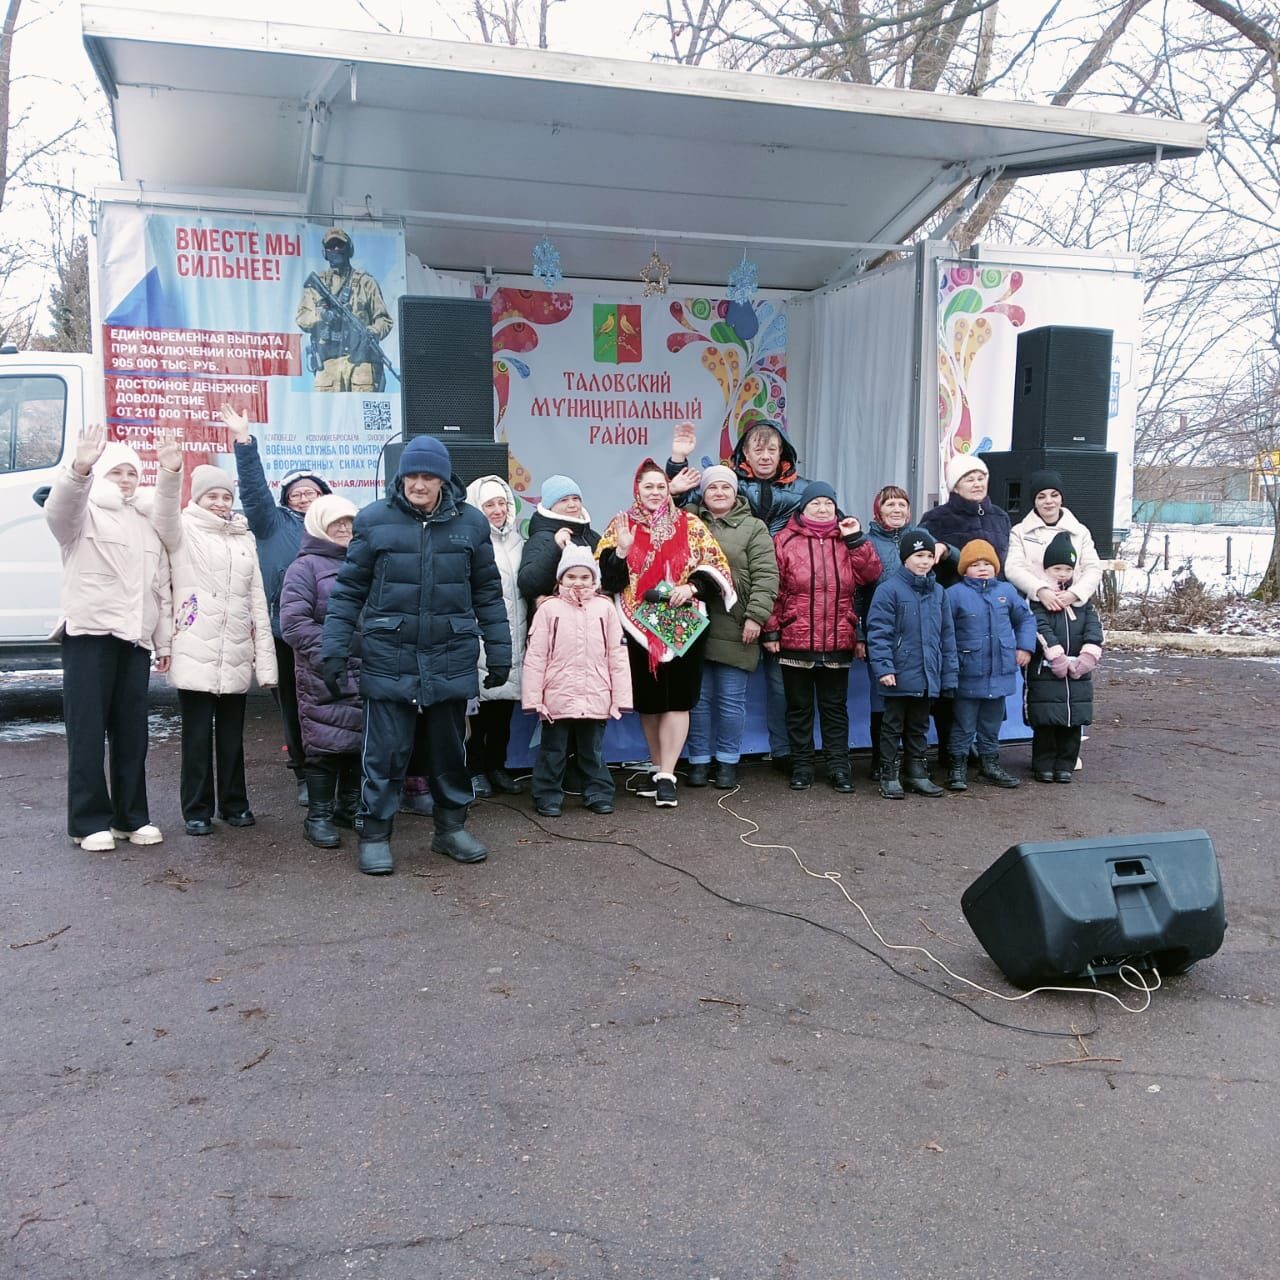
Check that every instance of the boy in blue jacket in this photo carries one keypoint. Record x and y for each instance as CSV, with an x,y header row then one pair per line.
x,y
911,648
995,635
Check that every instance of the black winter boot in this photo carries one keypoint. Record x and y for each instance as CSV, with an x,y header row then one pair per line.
x,y
992,771
699,775
957,773
451,837
890,786
375,849
916,778
348,801
318,826
726,776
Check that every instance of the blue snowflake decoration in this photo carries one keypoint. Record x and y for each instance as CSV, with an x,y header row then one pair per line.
x,y
546,263
744,281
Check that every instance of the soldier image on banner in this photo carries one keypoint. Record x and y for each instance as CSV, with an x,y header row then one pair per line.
x,y
343,311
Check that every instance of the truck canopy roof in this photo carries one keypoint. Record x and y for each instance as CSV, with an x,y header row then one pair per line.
x,y
482,148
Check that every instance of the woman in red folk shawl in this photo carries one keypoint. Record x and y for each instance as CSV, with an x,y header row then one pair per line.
x,y
654,547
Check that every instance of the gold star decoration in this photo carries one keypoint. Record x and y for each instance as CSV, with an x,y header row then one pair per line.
x,y
655,275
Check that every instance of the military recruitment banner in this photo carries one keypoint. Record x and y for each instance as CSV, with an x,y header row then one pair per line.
x,y
288,321
590,385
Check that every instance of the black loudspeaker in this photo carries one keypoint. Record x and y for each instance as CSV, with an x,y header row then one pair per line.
x,y
471,459
1088,486
1079,908
1062,388
446,359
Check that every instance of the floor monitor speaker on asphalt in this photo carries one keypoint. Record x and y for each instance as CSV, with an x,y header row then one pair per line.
x,y
1088,486
1075,909
471,458
446,354
1062,388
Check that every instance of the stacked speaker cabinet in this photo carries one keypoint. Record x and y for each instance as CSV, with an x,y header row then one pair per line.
x,y
1076,909
1061,402
1088,486
1062,388
446,357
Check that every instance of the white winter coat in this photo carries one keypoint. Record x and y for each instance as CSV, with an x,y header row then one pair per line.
x,y
1028,541
221,624
115,574
508,547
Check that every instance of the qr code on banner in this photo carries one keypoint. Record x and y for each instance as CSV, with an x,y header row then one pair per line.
x,y
377,415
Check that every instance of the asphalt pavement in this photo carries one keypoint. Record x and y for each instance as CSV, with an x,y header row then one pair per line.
x,y
634,1046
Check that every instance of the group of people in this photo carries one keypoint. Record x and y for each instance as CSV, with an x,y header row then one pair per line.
x,y
399,639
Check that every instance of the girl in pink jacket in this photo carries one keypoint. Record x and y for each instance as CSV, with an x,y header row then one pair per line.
x,y
577,678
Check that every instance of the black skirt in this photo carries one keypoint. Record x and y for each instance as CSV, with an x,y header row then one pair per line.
x,y
677,685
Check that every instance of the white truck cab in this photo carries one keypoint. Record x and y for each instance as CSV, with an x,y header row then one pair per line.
x,y
45,399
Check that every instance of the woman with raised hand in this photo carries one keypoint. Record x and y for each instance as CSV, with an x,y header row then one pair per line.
x,y
662,564
221,640
331,726
276,524
490,727
116,619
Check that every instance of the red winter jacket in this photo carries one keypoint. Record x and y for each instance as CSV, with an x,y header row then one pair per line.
x,y
818,574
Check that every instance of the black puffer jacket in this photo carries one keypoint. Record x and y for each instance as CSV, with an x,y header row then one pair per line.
x,y
423,587
960,520
541,558
1049,700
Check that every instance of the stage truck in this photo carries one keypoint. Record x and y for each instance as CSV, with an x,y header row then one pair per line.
x,y
656,244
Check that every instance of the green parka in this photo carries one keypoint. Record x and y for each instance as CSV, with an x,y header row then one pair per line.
x,y
748,547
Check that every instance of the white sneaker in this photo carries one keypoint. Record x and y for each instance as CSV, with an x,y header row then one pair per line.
x,y
144,835
99,842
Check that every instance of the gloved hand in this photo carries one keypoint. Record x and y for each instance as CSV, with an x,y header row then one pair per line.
x,y
948,693
1086,662
332,672
1059,663
497,676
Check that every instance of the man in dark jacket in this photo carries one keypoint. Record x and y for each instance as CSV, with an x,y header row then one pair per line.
x,y
277,529
421,584
764,461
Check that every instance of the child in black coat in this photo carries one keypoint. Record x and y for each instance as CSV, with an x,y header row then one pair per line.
x,y
1060,680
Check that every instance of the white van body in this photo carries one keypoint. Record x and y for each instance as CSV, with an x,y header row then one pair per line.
x,y
46,397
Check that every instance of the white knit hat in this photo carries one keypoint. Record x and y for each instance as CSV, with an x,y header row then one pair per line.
x,y
576,557
324,510
960,464
205,477
117,454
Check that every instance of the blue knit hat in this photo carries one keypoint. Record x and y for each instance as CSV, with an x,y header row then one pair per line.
x,y
816,489
556,488
425,455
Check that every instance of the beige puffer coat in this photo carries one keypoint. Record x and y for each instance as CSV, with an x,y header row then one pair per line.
x,y
221,625
508,547
115,579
